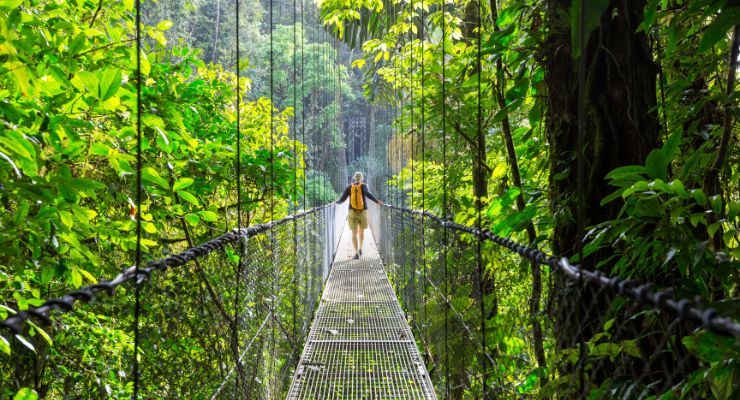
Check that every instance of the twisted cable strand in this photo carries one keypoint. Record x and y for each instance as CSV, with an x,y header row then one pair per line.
x,y
664,300
87,293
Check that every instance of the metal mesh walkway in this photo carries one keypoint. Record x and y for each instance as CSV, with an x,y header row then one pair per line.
x,y
360,346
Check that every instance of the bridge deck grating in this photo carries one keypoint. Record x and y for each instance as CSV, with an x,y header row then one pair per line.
x,y
360,345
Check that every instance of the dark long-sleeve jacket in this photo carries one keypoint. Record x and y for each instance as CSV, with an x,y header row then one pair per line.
x,y
365,195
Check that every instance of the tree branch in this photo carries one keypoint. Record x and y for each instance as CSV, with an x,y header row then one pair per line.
x,y
459,130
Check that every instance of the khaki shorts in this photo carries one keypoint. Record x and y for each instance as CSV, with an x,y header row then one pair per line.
x,y
357,217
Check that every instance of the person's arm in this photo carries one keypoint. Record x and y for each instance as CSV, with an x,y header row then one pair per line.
x,y
344,196
370,195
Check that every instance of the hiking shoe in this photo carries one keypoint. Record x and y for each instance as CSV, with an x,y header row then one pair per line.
x,y
360,251
356,257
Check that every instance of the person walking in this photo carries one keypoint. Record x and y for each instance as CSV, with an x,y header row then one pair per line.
x,y
358,194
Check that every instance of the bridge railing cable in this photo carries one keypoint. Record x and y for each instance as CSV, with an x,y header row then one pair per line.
x,y
189,346
638,338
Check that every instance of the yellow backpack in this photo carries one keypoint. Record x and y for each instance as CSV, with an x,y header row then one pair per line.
x,y
355,199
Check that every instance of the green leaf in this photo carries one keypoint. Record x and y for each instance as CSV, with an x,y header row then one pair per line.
x,y
99,149
471,82
608,199
18,145
149,174
152,121
10,4
26,394
709,347
650,11
146,67
639,186
632,171
716,202
40,332
208,216
4,345
659,185
87,275
719,28
76,277
164,25
182,183
89,81
593,9
189,198
500,171
657,165
733,209
21,213
110,82
66,218
713,228
699,196
679,189
192,219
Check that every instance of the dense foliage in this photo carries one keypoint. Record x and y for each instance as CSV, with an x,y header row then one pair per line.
x,y
470,110
67,159
660,199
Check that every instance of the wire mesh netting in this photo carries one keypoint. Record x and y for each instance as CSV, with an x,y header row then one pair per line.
x,y
229,323
588,340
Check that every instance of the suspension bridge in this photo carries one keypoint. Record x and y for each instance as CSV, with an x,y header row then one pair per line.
x,y
356,341
281,309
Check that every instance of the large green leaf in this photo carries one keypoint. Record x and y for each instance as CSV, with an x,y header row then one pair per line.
x,y
719,28
657,165
182,183
109,83
151,175
26,394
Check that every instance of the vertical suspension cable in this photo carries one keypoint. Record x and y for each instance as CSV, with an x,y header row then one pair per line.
x,y
295,172
239,224
303,96
402,165
412,158
423,173
139,196
445,237
479,207
272,193
308,278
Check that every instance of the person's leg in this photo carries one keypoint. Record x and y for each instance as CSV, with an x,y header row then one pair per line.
x,y
354,236
353,223
362,225
361,235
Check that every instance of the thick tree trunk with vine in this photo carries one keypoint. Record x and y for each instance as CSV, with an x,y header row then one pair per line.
x,y
621,129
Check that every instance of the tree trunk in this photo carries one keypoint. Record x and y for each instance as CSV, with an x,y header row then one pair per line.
x,y
621,128
480,183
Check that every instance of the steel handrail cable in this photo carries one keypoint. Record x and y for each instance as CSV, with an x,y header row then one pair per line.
x,y
708,317
66,303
